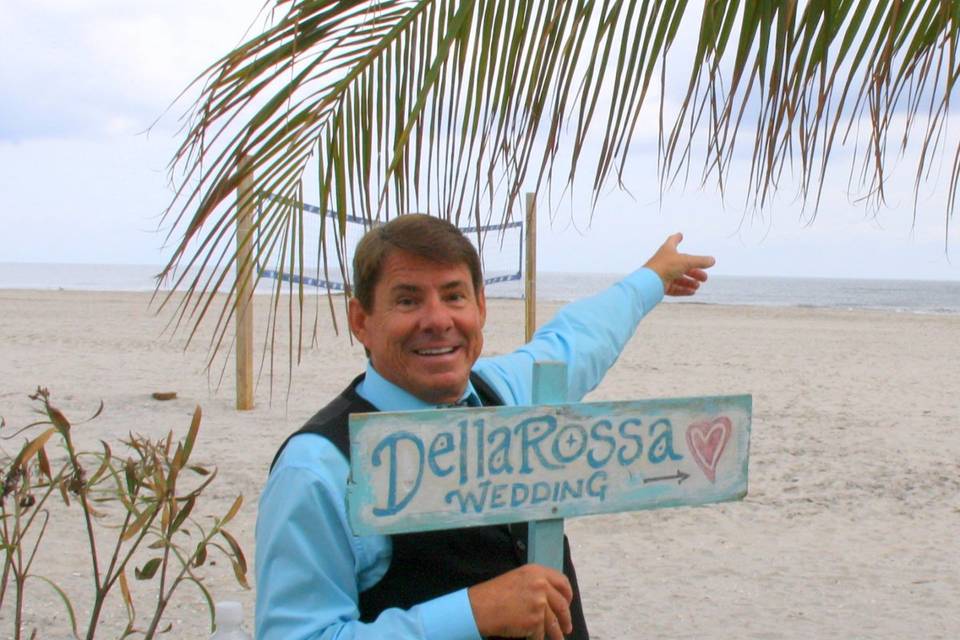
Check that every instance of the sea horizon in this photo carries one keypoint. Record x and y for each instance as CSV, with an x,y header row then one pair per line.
x,y
900,295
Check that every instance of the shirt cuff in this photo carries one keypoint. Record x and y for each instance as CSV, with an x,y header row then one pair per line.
x,y
449,617
648,286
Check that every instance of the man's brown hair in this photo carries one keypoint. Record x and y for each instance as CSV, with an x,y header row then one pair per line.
x,y
418,234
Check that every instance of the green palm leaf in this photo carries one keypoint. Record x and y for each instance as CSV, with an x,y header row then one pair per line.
x,y
453,106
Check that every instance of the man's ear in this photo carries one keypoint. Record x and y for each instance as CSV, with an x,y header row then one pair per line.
x,y
357,318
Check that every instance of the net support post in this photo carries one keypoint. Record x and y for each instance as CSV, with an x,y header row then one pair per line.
x,y
545,537
530,272
244,300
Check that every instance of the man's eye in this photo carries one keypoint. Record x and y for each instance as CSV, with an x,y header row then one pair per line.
x,y
406,302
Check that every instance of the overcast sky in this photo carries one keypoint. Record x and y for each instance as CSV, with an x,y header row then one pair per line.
x,y
81,181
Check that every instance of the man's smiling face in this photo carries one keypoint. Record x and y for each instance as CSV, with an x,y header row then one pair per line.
x,y
425,328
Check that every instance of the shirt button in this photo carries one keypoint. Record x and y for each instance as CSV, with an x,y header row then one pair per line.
x,y
521,545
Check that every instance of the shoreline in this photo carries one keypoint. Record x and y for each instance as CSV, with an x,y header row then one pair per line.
x,y
924,297
263,295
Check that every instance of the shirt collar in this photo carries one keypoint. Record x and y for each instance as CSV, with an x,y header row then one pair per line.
x,y
386,396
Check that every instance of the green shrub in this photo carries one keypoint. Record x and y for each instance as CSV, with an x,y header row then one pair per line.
x,y
143,503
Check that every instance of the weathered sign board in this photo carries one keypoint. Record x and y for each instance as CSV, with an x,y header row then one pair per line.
x,y
442,469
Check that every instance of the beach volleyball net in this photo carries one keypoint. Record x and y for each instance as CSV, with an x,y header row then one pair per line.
x,y
500,248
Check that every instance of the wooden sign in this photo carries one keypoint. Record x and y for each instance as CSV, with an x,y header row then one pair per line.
x,y
443,469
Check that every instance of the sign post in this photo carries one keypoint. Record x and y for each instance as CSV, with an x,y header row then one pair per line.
x,y
545,537
454,468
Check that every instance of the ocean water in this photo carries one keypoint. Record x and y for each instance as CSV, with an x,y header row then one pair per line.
x,y
903,296
909,296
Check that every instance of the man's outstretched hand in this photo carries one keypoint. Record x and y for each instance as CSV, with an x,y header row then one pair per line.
x,y
681,273
532,601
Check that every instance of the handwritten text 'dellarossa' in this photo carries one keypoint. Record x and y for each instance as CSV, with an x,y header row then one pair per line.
x,y
421,470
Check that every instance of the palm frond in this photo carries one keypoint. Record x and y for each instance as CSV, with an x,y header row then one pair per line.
x,y
453,106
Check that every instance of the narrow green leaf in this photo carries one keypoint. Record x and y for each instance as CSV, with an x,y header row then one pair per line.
x,y
240,572
63,598
148,570
139,523
235,547
183,514
59,420
130,474
31,447
104,464
127,597
192,434
64,493
44,463
200,555
234,508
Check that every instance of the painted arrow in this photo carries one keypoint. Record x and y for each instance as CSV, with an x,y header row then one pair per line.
x,y
679,476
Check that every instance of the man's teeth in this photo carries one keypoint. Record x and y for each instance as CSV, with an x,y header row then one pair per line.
x,y
435,352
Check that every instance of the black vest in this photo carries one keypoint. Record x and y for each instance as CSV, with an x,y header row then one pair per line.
x,y
429,564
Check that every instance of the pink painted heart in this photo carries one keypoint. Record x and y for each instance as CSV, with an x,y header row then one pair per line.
x,y
706,441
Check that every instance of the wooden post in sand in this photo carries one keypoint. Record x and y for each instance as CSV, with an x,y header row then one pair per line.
x,y
244,300
530,270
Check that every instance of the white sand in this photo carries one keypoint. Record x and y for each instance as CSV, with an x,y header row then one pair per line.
x,y
850,528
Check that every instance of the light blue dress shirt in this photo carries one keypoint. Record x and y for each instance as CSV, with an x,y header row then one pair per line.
x,y
311,568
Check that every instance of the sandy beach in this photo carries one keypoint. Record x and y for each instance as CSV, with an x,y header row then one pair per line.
x,y
850,528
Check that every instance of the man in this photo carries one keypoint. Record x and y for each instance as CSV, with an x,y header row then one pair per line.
x,y
419,310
